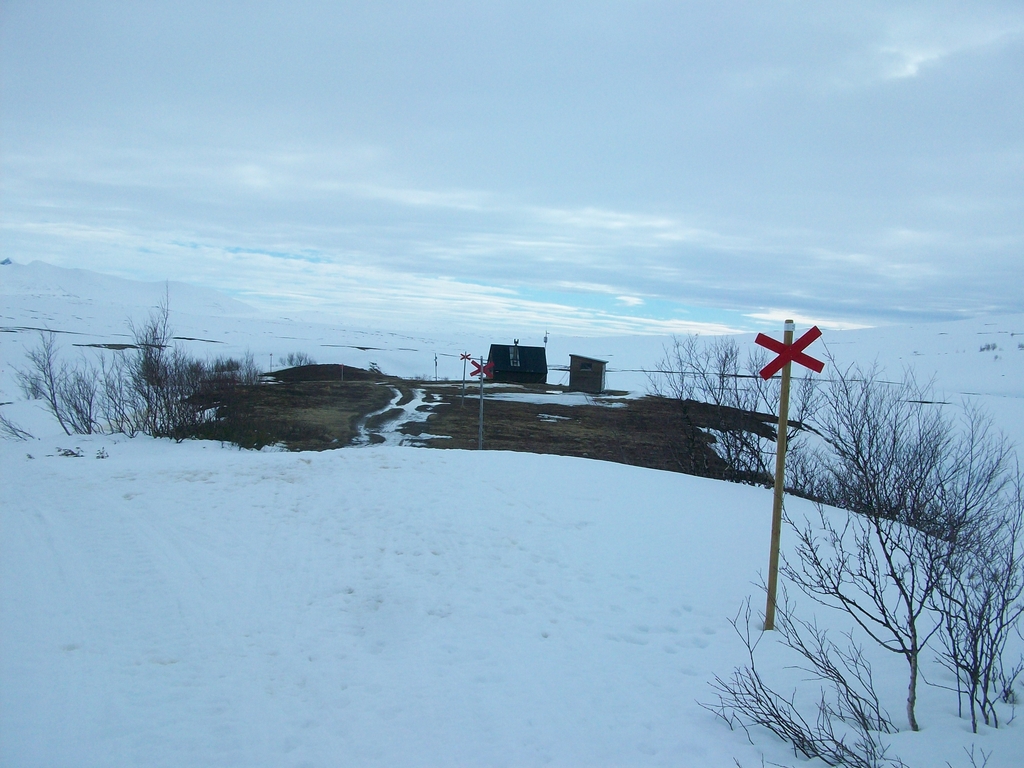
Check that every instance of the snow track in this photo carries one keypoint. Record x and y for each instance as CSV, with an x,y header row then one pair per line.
x,y
389,420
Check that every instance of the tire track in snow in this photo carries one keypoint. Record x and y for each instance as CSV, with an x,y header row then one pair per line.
x,y
415,411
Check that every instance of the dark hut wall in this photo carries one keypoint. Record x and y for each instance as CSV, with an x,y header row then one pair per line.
x,y
518,364
586,374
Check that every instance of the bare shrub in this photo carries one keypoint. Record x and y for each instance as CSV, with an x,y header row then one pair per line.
x,y
846,669
249,373
224,369
181,408
119,405
845,729
71,392
153,387
926,496
883,573
295,359
79,396
165,382
148,371
231,371
885,447
714,372
930,546
981,601
45,377
11,430
982,755
883,463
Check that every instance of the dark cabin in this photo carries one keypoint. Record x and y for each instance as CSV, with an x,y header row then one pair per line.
x,y
586,374
519,365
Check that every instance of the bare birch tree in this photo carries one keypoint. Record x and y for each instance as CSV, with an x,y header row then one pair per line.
x,y
713,371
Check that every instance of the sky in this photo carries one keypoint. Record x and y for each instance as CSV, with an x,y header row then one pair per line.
x,y
594,168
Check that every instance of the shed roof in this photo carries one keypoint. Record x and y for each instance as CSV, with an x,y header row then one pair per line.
x,y
588,359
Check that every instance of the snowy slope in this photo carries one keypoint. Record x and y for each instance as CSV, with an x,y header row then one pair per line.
x,y
193,604
197,605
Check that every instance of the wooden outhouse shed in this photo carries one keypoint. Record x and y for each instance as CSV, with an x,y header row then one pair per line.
x,y
586,374
521,365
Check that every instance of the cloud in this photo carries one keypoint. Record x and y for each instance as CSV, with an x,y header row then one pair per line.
x,y
777,317
916,41
636,165
630,301
252,175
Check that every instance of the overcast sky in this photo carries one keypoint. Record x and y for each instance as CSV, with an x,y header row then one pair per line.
x,y
592,167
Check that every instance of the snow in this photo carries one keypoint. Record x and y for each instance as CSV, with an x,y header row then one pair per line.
x,y
412,412
557,397
194,604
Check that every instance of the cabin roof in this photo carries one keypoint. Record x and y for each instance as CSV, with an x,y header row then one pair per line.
x,y
531,359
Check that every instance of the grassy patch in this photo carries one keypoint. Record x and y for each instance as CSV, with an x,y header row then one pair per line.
x,y
654,432
307,410
318,407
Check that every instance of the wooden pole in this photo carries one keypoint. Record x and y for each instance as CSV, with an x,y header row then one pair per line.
x,y
480,437
780,483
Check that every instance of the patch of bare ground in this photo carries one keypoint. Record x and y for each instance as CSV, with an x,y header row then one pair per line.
x,y
654,432
319,407
310,408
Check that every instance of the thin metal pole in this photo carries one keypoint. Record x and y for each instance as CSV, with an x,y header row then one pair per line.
x,y
780,483
463,401
480,437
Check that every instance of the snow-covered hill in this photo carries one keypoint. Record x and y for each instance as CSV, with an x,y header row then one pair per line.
x,y
171,604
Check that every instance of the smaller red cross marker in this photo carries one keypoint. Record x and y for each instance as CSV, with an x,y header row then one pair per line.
x,y
790,353
482,370
465,356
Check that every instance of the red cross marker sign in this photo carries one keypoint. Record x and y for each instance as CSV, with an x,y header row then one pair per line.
x,y
790,353
482,370
465,356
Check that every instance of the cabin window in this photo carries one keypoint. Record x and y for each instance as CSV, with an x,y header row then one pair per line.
x,y
586,366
